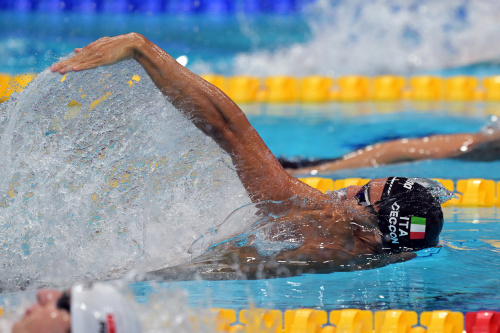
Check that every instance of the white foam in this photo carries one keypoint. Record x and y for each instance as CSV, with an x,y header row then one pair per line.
x,y
126,182
384,37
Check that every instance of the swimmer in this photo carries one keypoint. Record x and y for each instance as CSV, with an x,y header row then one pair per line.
x,y
82,309
481,146
374,225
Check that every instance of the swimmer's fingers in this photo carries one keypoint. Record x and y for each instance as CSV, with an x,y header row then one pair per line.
x,y
57,67
73,64
81,53
83,56
103,52
87,58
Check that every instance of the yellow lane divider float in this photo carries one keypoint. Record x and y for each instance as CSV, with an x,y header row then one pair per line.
x,y
354,321
355,88
317,89
470,192
350,321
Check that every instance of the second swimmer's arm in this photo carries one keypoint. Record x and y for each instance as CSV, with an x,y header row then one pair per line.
x,y
432,147
205,105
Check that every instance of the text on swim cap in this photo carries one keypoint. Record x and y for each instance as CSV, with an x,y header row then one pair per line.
x,y
393,221
409,184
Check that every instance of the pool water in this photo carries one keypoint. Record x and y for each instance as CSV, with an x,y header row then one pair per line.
x,y
33,41
462,275
325,38
332,130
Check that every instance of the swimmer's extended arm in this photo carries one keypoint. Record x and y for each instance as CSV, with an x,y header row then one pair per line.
x,y
205,105
432,147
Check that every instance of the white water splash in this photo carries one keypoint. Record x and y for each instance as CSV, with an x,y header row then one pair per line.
x,y
117,179
385,37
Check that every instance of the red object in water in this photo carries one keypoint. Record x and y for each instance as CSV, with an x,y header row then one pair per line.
x,y
111,324
482,322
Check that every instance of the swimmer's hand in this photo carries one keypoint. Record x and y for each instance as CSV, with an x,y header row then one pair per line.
x,y
103,52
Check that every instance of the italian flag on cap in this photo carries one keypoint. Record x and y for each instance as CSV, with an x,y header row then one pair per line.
x,y
417,228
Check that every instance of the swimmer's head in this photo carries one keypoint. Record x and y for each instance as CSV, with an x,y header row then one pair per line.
x,y
409,214
101,308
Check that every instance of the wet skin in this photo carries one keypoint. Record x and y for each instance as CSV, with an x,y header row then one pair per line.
x,y
332,241
335,233
468,146
44,316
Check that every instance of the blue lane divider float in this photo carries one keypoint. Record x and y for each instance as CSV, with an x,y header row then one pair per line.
x,y
20,5
50,5
149,6
85,6
181,6
249,6
217,7
115,6
158,6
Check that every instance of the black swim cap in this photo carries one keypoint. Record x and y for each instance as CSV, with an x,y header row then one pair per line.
x,y
409,216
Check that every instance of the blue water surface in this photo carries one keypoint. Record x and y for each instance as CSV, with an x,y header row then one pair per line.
x,y
32,41
332,130
462,275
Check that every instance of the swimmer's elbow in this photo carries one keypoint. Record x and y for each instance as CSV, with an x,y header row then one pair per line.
x,y
219,130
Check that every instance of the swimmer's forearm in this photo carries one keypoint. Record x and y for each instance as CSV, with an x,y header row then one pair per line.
x,y
219,117
202,102
433,147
